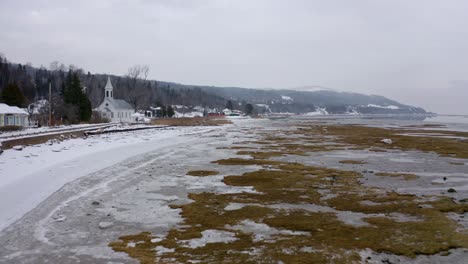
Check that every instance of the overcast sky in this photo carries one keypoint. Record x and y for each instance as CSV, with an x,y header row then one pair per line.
x,y
413,51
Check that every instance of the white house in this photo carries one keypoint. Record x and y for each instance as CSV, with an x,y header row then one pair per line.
x,y
116,110
13,116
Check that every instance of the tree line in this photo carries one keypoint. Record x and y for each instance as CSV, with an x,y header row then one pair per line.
x,y
23,84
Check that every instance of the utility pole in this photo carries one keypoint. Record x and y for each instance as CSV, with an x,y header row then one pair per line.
x,y
50,104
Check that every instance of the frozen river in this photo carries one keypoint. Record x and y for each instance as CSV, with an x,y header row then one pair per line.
x,y
64,203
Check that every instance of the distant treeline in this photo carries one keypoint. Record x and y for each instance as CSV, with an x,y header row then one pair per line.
x,y
33,83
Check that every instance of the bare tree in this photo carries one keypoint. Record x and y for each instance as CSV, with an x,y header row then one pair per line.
x,y
136,78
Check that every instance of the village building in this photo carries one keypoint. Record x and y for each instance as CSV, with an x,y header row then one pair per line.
x,y
13,116
116,110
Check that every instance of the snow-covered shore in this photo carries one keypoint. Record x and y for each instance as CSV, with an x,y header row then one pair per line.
x,y
29,176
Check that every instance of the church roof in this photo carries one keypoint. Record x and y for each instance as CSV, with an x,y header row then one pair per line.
x,y
121,104
108,84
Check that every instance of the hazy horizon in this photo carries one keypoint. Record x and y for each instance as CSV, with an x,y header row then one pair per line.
x,y
414,52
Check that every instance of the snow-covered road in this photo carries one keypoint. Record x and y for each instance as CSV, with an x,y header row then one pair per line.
x,y
29,176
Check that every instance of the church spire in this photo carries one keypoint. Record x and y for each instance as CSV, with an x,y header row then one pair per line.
x,y
109,90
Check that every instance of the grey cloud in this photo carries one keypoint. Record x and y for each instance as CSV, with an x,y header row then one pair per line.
x,y
407,50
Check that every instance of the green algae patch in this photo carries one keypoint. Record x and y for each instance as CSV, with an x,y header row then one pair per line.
x,y
281,203
406,176
371,137
201,173
377,150
143,249
352,162
270,154
239,161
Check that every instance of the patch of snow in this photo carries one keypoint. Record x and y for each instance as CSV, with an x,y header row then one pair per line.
x,y
392,107
156,240
19,147
210,236
387,141
286,98
307,250
161,250
262,231
105,225
318,111
234,206
199,108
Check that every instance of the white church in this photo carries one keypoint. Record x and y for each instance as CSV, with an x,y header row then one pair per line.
x,y
116,110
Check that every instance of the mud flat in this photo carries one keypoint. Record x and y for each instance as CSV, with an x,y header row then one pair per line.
x,y
264,191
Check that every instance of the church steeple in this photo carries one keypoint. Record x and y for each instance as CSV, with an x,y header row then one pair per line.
x,y
109,90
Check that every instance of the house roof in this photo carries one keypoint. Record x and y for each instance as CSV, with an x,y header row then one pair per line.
x,y
6,109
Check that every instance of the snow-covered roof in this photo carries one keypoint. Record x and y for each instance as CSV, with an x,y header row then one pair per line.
x,y
121,104
137,115
6,109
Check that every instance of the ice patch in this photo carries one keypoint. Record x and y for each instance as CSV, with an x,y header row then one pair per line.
x,y
234,206
156,240
210,236
263,232
387,141
161,250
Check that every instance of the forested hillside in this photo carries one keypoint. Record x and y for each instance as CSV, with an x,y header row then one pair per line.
x,y
133,87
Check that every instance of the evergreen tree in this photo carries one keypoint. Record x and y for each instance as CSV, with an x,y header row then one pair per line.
x,y
13,96
170,111
75,97
85,108
249,109
229,105
163,111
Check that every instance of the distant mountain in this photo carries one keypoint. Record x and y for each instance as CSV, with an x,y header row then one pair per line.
x,y
322,100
